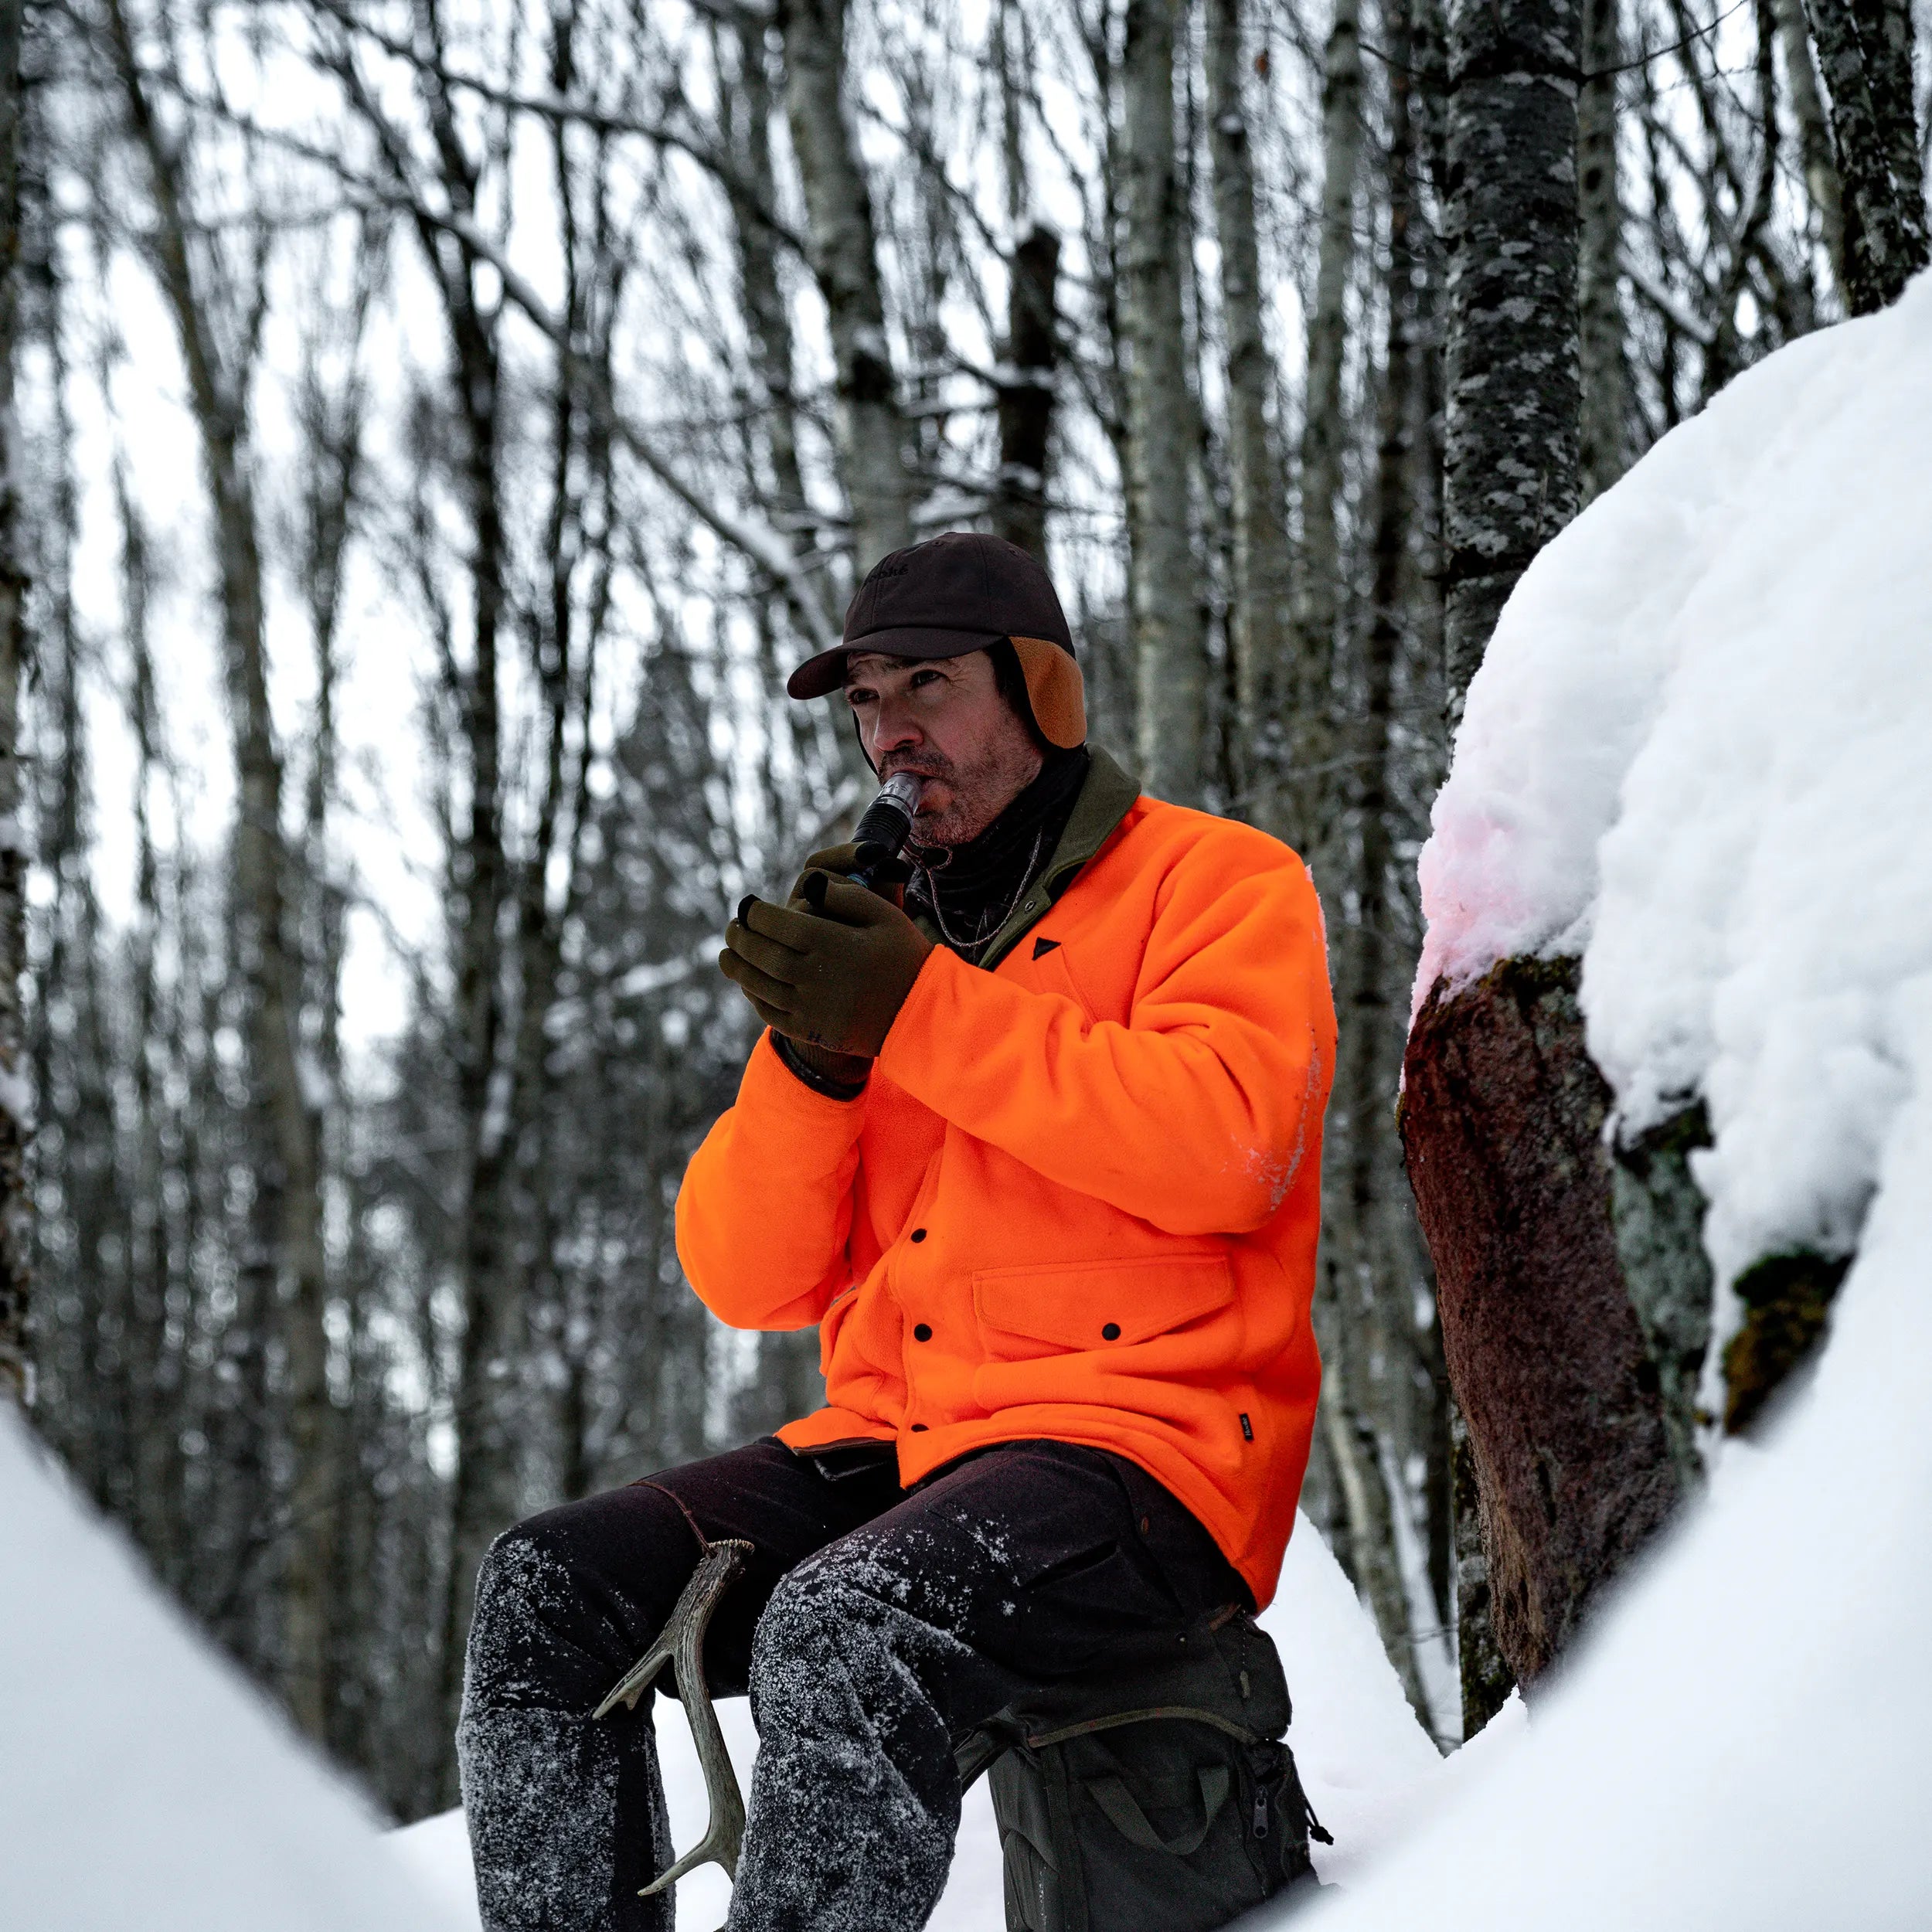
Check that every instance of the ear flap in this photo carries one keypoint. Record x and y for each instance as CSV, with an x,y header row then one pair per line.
x,y
1055,690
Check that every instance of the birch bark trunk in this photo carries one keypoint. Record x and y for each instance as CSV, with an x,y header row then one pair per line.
x,y
1865,51
1511,222
290,1187
1324,427
1169,639
1263,568
1813,131
1604,451
845,252
14,1084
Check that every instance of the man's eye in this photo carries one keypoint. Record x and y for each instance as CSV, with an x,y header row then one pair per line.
x,y
855,698
926,678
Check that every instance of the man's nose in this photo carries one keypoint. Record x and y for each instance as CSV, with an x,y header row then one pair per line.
x,y
894,728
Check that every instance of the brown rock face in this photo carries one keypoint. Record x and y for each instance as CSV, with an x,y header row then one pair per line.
x,y
1502,1119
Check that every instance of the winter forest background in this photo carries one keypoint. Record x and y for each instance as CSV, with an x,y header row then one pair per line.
x,y
438,428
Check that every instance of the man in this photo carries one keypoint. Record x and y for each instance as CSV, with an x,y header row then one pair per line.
x,y
1038,1153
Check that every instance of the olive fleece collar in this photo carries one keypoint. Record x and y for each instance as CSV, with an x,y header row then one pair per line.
x,y
1105,800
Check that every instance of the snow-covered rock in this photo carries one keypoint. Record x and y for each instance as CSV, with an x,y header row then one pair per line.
x,y
144,1783
1697,755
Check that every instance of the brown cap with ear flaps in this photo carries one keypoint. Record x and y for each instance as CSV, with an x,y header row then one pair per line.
x,y
958,592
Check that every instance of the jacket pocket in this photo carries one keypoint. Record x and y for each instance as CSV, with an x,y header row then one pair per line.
x,y
1103,1305
830,1323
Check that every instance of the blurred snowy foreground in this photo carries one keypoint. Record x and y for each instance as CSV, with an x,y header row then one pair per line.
x,y
1700,756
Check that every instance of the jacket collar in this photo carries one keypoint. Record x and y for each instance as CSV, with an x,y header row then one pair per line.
x,y
1103,801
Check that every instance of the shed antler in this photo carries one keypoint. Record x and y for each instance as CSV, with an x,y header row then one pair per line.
x,y
681,1645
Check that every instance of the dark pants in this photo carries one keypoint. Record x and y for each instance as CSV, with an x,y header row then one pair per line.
x,y
874,1627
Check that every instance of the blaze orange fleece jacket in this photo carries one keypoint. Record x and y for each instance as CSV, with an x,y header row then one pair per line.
x,y
1080,1195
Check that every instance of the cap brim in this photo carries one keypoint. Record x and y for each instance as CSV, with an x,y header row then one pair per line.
x,y
826,672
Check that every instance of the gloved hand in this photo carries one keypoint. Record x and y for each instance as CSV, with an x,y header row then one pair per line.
x,y
842,861
833,979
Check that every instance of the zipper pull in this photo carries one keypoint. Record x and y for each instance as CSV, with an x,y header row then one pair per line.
x,y
1261,1814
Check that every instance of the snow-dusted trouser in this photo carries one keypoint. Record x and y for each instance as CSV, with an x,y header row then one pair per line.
x,y
874,1627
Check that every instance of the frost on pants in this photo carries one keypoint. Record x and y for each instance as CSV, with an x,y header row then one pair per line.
x,y
541,1783
855,1800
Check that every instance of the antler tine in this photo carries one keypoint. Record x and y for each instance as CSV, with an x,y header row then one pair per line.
x,y
681,1643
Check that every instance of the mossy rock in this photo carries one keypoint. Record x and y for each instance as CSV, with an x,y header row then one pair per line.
x,y
1787,1301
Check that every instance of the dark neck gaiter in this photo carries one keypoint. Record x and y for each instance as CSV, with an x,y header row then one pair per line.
x,y
969,895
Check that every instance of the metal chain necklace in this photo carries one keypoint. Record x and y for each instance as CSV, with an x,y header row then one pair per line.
x,y
922,862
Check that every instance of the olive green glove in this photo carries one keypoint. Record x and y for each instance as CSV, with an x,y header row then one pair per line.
x,y
833,979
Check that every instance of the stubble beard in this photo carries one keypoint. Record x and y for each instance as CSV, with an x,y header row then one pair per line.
x,y
981,790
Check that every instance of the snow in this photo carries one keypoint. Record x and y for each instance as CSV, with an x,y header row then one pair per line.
x,y
1697,753
1741,1748
1368,1766
143,1782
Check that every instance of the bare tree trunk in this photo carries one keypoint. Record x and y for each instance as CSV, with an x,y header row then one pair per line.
x,y
1813,131
14,1111
1026,392
1604,453
1347,1429
486,1498
332,427
1511,221
871,431
290,1191
748,109
1264,569
1864,47
1324,427
1368,1279
1170,650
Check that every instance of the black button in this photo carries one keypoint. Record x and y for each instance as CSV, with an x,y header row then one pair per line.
x,y
919,1428
922,1333
919,1234
1111,1333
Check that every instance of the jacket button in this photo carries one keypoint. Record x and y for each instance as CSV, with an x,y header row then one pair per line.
x,y
919,1234
919,1428
922,1333
1111,1333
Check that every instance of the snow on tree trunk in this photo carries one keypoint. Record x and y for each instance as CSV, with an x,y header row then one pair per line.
x,y
1170,648
14,1087
1511,230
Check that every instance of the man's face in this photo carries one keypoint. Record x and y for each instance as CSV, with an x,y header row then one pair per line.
x,y
944,720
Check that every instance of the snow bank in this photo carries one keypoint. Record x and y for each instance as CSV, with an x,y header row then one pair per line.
x,y
1369,1766
143,1782
1697,753
1741,1749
